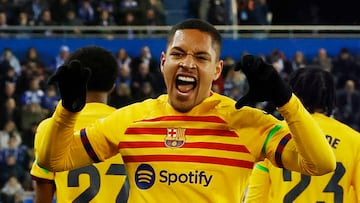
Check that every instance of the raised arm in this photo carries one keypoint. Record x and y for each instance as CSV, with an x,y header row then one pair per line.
x,y
308,146
305,149
59,144
61,149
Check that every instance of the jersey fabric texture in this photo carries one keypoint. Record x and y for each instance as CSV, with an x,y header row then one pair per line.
x,y
100,182
204,155
271,184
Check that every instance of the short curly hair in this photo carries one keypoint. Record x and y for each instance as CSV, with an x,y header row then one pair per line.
x,y
316,89
101,62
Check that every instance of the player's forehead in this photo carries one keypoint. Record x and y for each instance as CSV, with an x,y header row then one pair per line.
x,y
195,40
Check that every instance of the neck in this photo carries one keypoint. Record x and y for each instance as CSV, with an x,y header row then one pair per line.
x,y
98,97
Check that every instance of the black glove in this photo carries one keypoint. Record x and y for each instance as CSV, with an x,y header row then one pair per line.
x,y
72,83
265,84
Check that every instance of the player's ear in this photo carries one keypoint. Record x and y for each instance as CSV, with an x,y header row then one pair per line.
x,y
218,69
162,60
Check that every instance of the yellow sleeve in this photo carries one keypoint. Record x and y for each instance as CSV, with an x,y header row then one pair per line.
x,y
41,175
259,183
37,173
308,144
356,182
59,142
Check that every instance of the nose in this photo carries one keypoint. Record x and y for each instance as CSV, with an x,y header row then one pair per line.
x,y
188,62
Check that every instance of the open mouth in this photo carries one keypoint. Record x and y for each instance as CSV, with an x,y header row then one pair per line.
x,y
185,83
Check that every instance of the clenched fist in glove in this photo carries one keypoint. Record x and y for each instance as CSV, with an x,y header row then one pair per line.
x,y
265,84
72,81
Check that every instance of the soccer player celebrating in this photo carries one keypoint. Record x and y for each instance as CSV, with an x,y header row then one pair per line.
x,y
315,88
191,144
92,183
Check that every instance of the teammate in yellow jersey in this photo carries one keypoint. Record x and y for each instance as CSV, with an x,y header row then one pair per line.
x,y
101,182
315,87
191,144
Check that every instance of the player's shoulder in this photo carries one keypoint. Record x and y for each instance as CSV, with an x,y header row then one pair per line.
x,y
245,116
139,110
342,138
340,128
223,98
44,123
229,103
95,107
146,105
345,130
221,102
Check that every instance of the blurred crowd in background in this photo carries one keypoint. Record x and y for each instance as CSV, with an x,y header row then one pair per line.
x,y
163,12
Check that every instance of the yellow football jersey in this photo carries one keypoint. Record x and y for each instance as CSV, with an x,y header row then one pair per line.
x,y
204,155
271,184
100,182
194,155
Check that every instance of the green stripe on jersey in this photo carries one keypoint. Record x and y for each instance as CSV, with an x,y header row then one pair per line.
x,y
271,133
261,168
44,170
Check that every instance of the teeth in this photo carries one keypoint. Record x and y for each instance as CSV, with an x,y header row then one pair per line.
x,y
186,79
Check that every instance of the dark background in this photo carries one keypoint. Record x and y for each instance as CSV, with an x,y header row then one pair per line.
x,y
322,12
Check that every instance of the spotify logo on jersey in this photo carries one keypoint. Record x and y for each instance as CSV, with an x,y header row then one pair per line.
x,y
144,176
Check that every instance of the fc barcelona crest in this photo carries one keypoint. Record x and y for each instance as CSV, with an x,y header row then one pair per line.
x,y
175,137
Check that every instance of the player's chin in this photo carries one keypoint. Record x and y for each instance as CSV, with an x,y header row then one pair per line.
x,y
182,105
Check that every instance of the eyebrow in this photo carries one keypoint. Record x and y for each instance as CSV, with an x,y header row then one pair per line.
x,y
196,53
